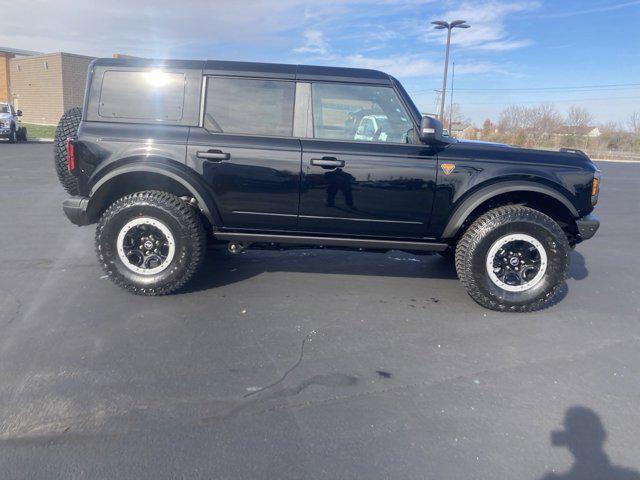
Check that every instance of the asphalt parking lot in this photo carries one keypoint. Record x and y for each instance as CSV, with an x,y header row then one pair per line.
x,y
309,364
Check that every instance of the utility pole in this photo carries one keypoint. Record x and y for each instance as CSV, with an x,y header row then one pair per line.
x,y
440,25
453,77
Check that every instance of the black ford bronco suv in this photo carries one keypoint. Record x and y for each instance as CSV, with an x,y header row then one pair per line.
x,y
168,155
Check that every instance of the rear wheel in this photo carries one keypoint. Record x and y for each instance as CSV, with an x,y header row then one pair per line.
x,y
22,134
13,135
513,258
67,127
150,243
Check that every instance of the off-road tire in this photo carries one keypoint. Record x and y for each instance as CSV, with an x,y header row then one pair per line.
x,y
67,127
185,226
13,135
474,246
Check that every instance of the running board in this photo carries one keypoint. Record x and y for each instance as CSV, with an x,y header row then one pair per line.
x,y
331,241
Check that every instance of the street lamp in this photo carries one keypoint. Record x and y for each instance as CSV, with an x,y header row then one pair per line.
x,y
440,25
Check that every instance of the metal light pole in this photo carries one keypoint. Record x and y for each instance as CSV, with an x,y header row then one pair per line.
x,y
440,25
453,77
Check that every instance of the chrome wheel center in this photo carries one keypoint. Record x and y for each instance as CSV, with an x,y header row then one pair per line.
x,y
516,262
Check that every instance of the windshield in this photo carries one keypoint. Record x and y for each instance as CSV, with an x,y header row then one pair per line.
x,y
4,108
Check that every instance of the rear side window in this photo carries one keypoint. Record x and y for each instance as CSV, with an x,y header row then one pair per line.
x,y
253,107
150,95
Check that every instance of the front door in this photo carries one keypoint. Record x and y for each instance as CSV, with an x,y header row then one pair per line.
x,y
246,152
359,182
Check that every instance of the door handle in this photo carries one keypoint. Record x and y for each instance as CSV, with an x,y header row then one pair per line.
x,y
327,162
216,155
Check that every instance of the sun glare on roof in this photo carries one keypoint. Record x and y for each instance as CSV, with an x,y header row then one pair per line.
x,y
158,78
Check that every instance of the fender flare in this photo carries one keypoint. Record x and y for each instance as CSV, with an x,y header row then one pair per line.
x,y
464,209
180,175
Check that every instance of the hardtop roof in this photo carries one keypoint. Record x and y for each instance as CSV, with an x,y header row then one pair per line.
x,y
255,69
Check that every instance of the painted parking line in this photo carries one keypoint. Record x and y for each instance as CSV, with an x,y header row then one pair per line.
x,y
614,161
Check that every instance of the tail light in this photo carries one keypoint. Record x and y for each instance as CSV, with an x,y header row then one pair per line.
x,y
71,152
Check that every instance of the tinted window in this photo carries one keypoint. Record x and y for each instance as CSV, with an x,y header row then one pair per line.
x,y
362,113
258,107
148,95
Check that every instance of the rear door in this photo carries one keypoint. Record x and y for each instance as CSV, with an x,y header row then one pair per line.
x,y
245,150
359,182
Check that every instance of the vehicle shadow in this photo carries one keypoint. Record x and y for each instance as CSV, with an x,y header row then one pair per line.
x,y
221,268
584,436
577,267
560,295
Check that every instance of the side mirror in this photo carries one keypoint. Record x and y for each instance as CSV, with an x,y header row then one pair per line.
x,y
19,113
431,132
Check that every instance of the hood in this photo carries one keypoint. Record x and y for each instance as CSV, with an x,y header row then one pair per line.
x,y
481,142
5,116
509,153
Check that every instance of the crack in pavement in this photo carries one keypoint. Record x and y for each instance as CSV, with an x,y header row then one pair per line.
x,y
291,369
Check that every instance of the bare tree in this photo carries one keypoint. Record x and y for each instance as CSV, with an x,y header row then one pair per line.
x,y
488,127
457,118
608,128
544,119
578,117
633,123
513,119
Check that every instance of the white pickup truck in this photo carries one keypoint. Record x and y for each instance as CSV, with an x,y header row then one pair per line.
x,y
10,124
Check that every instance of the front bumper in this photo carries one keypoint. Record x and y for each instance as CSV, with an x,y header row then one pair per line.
x,y
588,226
5,132
75,208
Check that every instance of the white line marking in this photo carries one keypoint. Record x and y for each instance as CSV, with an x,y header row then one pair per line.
x,y
614,161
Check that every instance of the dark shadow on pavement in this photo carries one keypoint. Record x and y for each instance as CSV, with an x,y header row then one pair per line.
x,y
221,268
584,436
578,267
560,295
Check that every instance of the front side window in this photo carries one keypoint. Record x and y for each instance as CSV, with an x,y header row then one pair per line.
x,y
252,107
149,95
360,113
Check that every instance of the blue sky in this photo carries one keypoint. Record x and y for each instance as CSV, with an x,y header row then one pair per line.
x,y
511,49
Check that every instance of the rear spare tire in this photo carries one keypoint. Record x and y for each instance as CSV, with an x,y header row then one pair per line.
x,y
67,127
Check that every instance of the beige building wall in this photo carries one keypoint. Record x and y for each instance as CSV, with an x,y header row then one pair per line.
x,y
74,79
36,88
4,76
44,86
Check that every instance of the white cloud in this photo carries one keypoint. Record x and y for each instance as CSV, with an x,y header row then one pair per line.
x,y
153,27
405,66
488,25
574,12
502,45
314,43
167,28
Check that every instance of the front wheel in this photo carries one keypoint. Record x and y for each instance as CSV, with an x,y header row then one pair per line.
x,y
13,135
513,258
150,243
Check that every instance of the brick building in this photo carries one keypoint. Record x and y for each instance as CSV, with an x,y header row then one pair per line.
x,y
42,86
